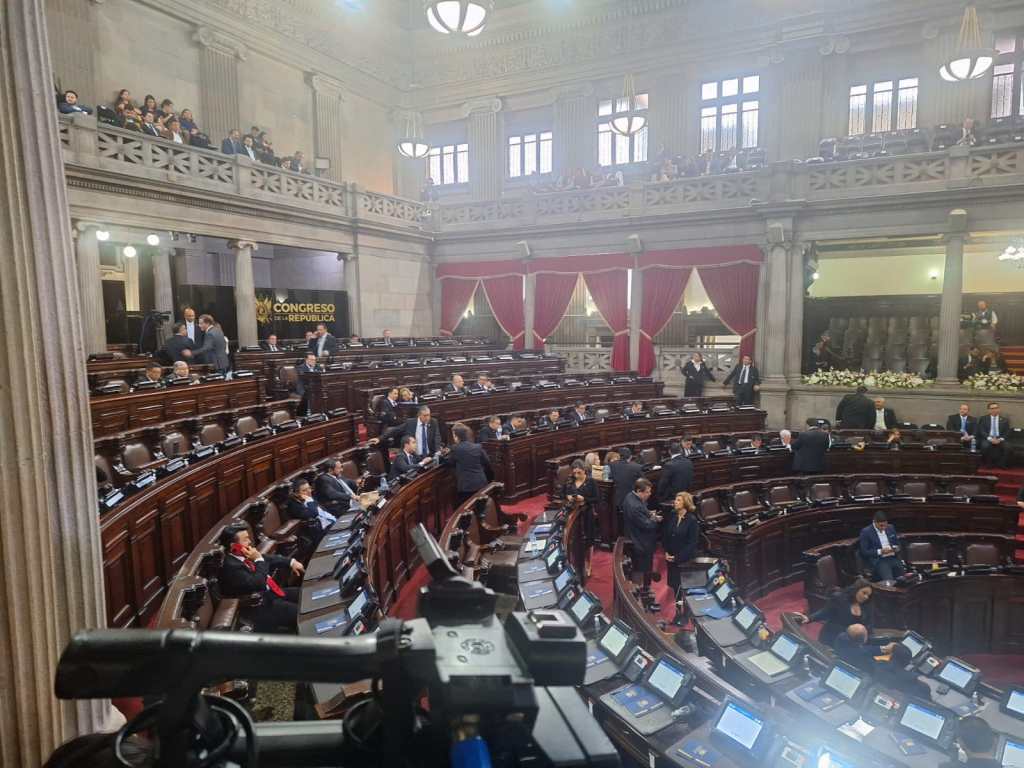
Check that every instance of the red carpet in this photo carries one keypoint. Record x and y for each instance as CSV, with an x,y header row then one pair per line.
x,y
1010,482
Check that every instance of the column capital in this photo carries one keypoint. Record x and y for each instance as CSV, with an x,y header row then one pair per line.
x,y
238,245
220,42
323,85
82,226
489,105
574,91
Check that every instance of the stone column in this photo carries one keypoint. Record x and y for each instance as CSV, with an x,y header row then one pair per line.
x,y
636,298
671,99
329,129
486,158
574,128
131,283
795,316
163,289
350,282
51,579
952,298
529,309
90,287
245,292
219,55
776,265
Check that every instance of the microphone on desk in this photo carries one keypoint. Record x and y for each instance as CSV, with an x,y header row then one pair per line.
x,y
684,712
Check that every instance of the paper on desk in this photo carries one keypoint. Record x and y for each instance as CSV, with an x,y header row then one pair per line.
x,y
858,729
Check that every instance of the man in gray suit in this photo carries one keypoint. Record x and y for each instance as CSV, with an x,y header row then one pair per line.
x,y
214,350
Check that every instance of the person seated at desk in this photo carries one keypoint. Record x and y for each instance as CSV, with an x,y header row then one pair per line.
x,y
333,491
879,547
991,434
634,411
270,344
756,446
894,674
456,386
978,741
493,429
302,506
407,459
852,646
405,395
154,373
592,460
518,424
581,489
245,572
483,384
894,439
579,414
676,474
963,423
180,371
680,537
552,419
843,609
882,419
689,449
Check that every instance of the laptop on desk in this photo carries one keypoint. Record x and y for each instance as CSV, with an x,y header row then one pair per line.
x,y
835,696
713,605
607,655
647,705
541,567
779,657
735,629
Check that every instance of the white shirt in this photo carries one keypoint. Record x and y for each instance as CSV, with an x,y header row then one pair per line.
x,y
176,137
320,345
994,424
250,153
880,419
883,540
190,330
745,376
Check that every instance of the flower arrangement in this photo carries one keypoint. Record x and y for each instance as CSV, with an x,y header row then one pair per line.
x,y
997,382
871,380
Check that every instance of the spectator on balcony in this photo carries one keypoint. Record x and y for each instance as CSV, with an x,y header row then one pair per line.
x,y
124,95
173,132
195,136
68,104
429,192
232,145
248,148
149,105
297,163
128,116
968,138
166,111
150,127
254,133
265,149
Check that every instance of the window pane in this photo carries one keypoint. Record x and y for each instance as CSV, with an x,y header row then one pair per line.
x,y
546,143
642,101
640,146
1006,43
448,165
727,137
750,116
708,124
530,154
883,86
463,164
515,154
709,91
621,104
621,149
910,82
858,110
1002,90
604,107
751,84
434,165
858,90
730,87
881,110
604,145
906,115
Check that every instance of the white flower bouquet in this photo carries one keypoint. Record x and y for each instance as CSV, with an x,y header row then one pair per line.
x,y
871,380
995,382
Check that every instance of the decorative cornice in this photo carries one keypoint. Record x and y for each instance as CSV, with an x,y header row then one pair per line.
x,y
220,42
324,85
238,245
574,91
491,105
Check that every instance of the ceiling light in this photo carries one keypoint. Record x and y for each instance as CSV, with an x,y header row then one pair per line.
x,y
152,239
129,251
815,275
971,60
413,145
458,17
933,274
629,122
102,235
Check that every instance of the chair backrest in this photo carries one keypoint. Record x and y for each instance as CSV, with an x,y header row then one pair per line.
x,y
375,402
136,455
349,470
744,442
104,472
744,500
710,509
921,552
822,491
866,488
781,494
374,463
649,456
211,434
967,488
828,573
563,474
279,417
915,488
210,564
272,517
174,444
288,376
246,425
981,554
710,446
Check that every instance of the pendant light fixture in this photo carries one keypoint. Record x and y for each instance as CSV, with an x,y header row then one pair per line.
x,y
970,60
629,122
458,17
413,145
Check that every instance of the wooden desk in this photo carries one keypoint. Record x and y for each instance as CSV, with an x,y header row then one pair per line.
x,y
117,413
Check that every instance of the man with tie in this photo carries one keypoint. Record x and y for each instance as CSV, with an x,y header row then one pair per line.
x,y
245,572
387,338
309,365
270,345
149,127
579,414
426,432
332,491
745,381
178,346
232,145
322,342
406,459
963,423
883,419
192,329
879,547
991,434
689,449
214,349
302,506
456,386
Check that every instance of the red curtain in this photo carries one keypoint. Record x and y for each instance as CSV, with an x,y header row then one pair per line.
x,y
551,298
455,298
608,290
733,291
505,295
663,288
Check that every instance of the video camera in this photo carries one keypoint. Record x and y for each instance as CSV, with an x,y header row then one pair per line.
x,y
496,695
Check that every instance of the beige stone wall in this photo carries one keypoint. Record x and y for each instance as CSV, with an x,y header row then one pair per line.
x,y
396,286
369,154
278,97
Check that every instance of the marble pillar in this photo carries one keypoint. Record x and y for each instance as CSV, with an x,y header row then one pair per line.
x,y
636,300
131,284
795,315
668,119
529,309
51,580
245,292
163,289
219,55
776,307
486,158
952,299
329,129
90,287
574,128
350,282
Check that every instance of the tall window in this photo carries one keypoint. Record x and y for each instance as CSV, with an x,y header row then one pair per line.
x,y
529,154
613,149
1007,98
729,113
887,105
449,164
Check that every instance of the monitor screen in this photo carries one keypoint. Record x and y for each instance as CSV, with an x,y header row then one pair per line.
x,y
355,608
955,675
785,647
666,678
843,681
1015,701
746,617
562,580
581,608
351,573
1013,755
714,570
553,557
922,721
913,645
724,592
740,725
614,640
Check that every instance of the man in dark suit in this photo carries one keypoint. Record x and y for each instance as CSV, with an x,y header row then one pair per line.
x,y
978,741
689,449
970,364
855,410
624,474
214,350
879,547
425,430
192,329
492,430
963,423
641,527
322,342
483,385
302,506
991,434
676,474
745,381
809,451
579,414
333,491
852,646
270,344
178,347
456,386
882,419
245,572
309,365
472,467
634,411
552,419
386,335
232,145
406,458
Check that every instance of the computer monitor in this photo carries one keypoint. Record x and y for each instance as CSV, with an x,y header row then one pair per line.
x,y
552,558
845,681
723,592
714,570
1013,702
960,675
747,618
1011,754
564,580
617,641
925,722
742,728
584,608
358,605
670,679
785,647
916,644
